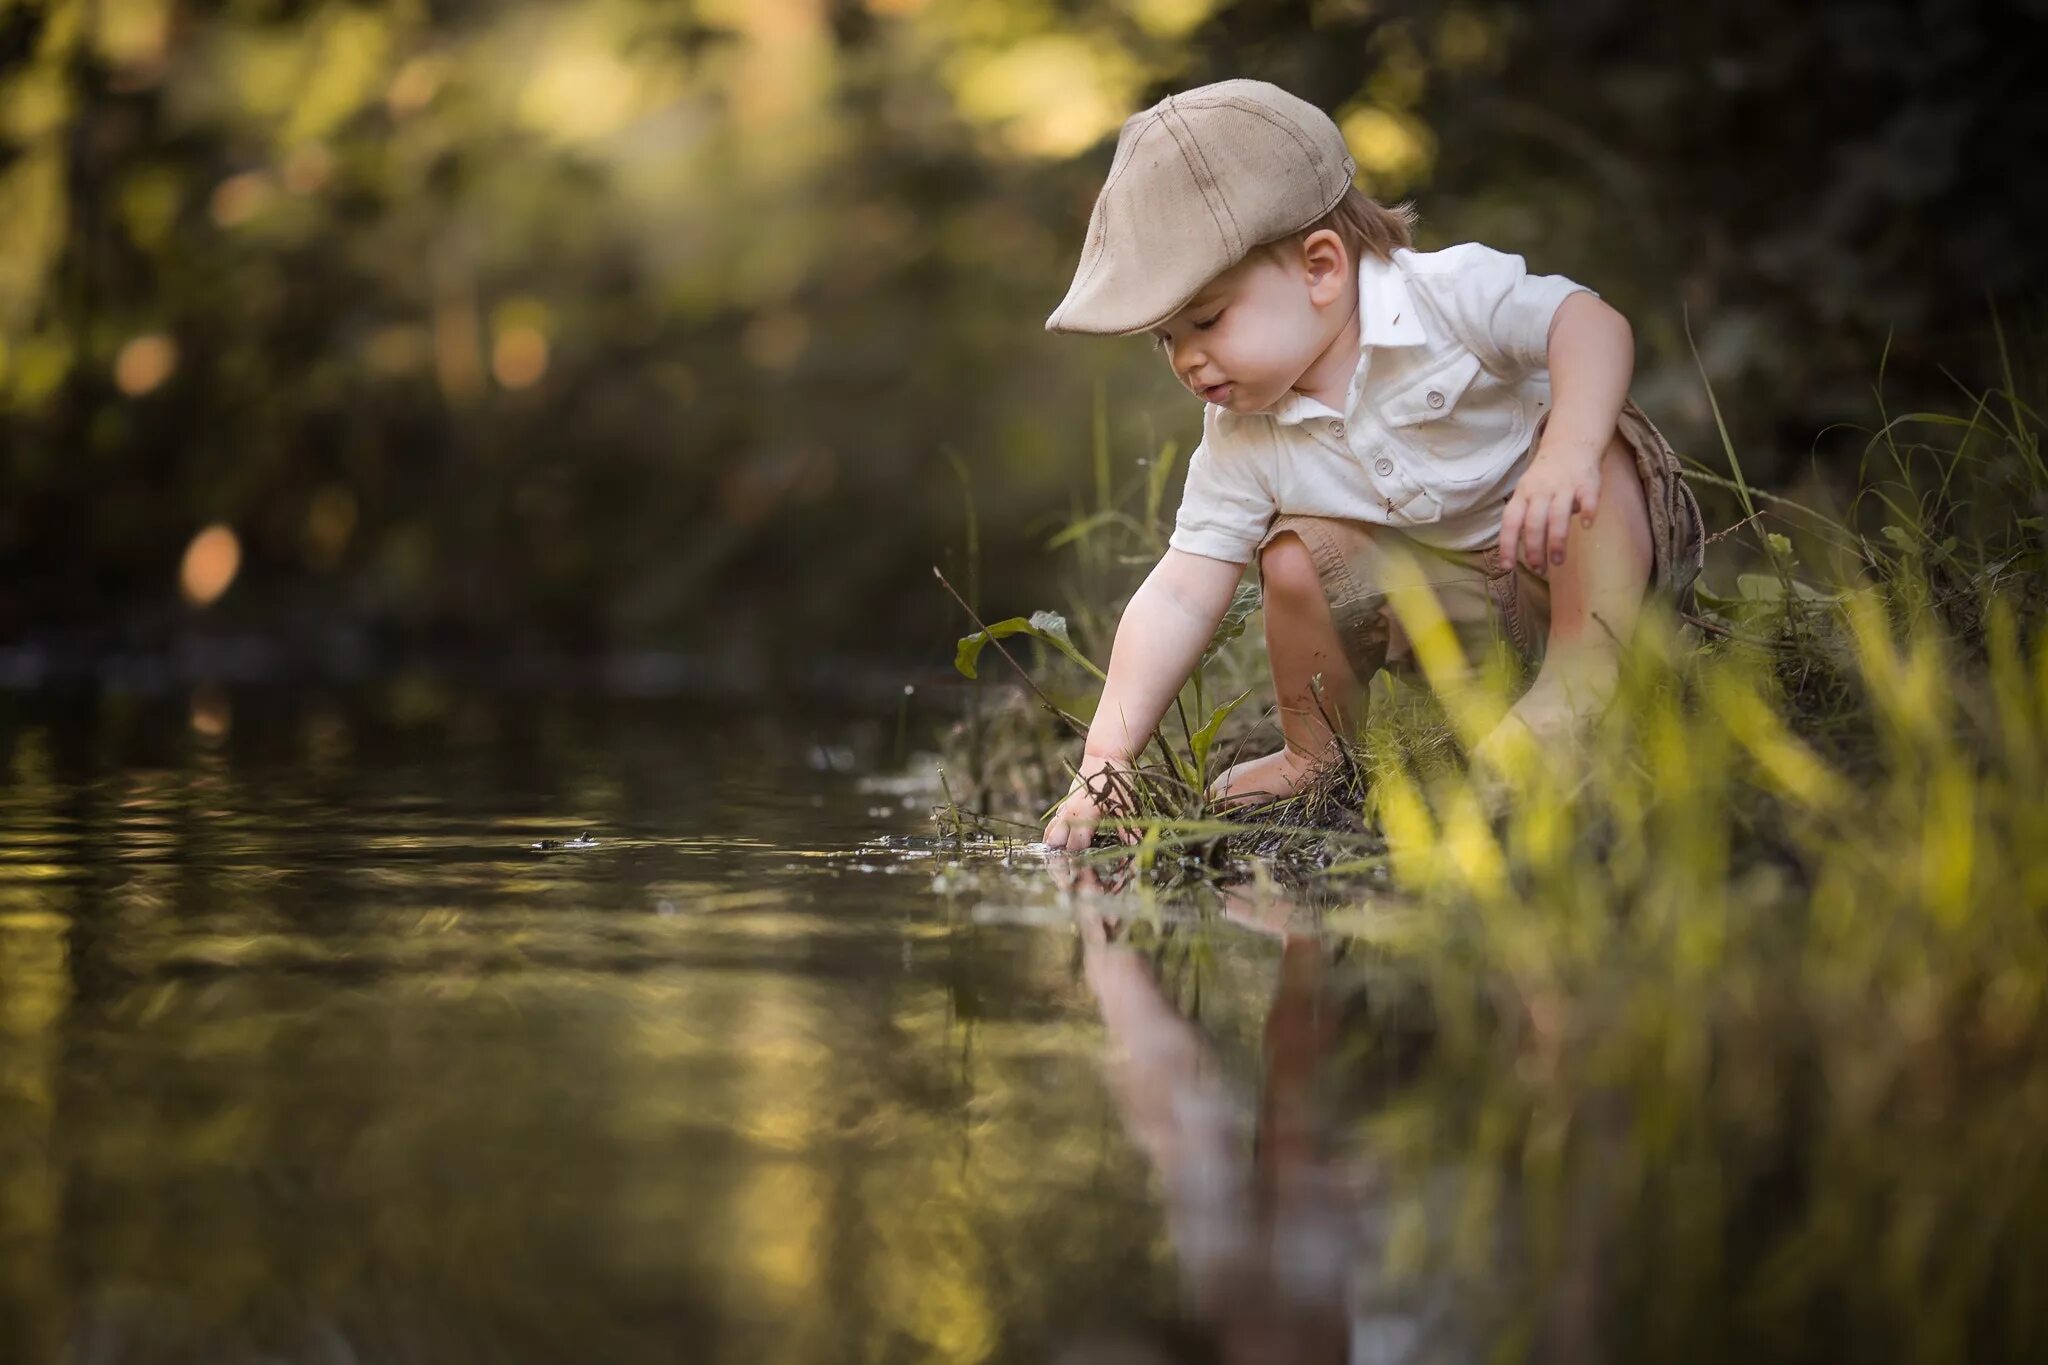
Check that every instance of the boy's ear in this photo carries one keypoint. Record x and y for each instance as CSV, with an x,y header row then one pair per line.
x,y
1324,258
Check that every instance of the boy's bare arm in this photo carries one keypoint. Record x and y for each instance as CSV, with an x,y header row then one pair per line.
x,y
1168,623
1592,358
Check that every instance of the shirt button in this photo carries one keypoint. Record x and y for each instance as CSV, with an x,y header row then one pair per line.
x,y
1385,466
1436,398
1336,428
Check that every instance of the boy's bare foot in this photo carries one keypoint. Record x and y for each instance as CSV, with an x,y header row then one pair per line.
x,y
1262,779
1547,724
1554,717
1507,747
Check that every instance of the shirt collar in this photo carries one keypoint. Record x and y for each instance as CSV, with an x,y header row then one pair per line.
x,y
1383,302
1386,318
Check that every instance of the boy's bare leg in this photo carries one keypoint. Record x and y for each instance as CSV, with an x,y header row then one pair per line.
x,y
1595,597
1301,639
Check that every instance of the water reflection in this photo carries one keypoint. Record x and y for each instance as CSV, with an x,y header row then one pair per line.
x,y
326,1061
1277,1212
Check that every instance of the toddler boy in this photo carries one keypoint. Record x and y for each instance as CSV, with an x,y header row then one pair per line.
x,y
1374,416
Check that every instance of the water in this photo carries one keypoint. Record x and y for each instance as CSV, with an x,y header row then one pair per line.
x,y
309,1053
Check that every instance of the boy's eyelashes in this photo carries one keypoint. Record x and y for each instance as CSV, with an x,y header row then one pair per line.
x,y
1159,339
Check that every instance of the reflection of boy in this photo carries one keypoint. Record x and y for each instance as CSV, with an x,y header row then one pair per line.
x,y
1374,415
1279,1243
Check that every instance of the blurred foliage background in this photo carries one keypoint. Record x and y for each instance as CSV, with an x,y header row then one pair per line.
x,y
343,331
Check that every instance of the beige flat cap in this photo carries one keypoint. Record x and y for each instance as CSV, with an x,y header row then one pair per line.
x,y
1198,180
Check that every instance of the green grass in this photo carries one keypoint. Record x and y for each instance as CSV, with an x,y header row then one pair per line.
x,y
1743,1019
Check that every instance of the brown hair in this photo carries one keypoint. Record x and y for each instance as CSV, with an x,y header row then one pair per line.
x,y
1362,223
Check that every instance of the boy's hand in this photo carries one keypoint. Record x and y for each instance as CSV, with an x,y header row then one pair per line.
x,y
1539,513
1072,827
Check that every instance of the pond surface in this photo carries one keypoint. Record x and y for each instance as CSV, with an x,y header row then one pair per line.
x,y
308,1053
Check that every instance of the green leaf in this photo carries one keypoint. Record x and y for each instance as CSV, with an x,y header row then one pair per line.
x,y
1780,543
1759,587
1202,740
1763,587
1048,626
1243,603
1052,626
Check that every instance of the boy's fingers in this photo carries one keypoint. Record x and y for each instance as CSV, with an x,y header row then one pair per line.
x,y
1530,547
1511,524
1589,503
1539,535
1068,834
1560,527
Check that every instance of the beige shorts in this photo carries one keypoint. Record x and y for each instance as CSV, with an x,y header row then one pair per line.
x,y
1490,600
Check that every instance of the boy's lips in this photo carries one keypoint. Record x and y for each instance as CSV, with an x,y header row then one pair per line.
x,y
1216,393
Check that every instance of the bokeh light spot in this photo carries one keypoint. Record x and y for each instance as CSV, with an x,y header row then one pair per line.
x,y
211,563
239,198
131,33
1394,148
580,90
519,356
415,85
144,363
211,715
1171,18
1049,96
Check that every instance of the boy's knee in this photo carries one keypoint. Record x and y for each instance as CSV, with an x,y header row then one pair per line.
x,y
1287,571
1624,496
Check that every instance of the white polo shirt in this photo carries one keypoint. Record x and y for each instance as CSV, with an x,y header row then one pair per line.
x,y
1452,374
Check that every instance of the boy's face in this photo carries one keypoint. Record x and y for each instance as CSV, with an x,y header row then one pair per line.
x,y
1251,332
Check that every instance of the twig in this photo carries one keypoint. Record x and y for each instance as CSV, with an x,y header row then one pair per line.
x,y
986,818
1716,628
1722,535
1711,627
1072,723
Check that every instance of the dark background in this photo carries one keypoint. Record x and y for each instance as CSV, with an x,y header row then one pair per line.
x,y
628,340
